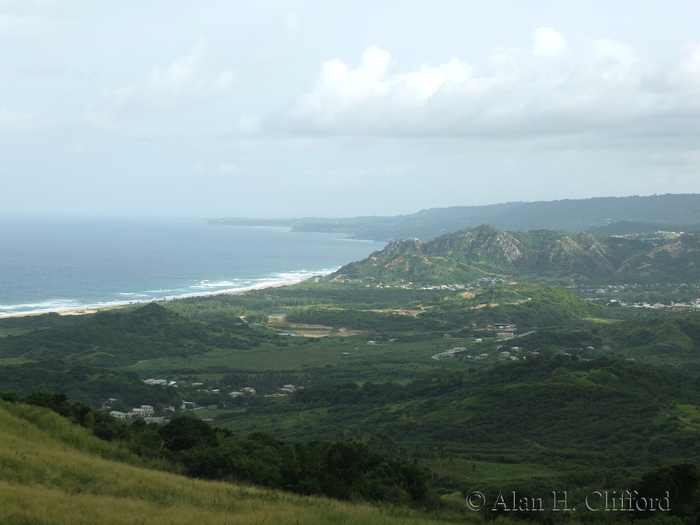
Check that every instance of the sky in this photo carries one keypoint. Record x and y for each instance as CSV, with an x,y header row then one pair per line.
x,y
302,108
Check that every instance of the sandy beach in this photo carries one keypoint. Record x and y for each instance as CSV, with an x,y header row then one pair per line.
x,y
94,309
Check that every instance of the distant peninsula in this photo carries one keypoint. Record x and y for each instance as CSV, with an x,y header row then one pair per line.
x,y
599,216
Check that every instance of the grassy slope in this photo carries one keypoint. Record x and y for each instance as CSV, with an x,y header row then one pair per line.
x,y
53,472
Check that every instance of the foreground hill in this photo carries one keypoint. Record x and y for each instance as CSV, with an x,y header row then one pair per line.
x,y
572,215
126,337
57,473
468,255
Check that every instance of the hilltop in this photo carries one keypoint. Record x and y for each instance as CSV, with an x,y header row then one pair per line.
x,y
468,255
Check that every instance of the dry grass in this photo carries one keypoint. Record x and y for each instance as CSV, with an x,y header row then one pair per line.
x,y
54,473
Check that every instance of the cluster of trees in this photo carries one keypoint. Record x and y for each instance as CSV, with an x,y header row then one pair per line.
x,y
85,384
674,490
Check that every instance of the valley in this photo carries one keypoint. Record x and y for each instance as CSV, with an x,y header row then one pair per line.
x,y
463,357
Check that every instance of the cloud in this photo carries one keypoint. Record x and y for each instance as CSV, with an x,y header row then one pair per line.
x,y
185,84
19,122
228,169
687,73
371,95
605,89
548,42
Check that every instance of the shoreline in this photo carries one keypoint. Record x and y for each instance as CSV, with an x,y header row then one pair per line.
x,y
92,309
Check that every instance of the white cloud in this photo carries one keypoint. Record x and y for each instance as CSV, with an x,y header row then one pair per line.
x,y
228,169
687,74
19,122
548,42
513,95
343,96
182,85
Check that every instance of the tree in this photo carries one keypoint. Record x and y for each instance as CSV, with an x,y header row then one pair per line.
x,y
185,432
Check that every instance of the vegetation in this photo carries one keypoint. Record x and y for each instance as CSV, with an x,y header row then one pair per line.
x,y
467,255
666,342
568,415
380,414
55,472
85,384
122,338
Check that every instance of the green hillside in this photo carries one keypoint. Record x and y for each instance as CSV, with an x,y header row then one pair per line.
x,y
578,420
468,255
524,304
119,337
670,342
85,384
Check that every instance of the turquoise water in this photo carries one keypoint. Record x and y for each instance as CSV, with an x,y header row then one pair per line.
x,y
60,264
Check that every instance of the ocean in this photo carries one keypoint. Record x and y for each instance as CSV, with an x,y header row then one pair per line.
x,y
63,264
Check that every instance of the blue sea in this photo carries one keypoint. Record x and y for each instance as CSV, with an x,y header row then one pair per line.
x,y
51,265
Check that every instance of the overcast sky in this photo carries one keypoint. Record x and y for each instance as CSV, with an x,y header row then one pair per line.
x,y
343,108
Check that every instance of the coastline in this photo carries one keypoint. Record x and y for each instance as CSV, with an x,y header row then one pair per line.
x,y
77,266
92,309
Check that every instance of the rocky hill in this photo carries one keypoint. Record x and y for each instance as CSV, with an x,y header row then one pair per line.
x,y
467,255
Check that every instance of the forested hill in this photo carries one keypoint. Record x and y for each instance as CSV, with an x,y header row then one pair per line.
x,y
597,411
126,337
572,215
467,255
669,342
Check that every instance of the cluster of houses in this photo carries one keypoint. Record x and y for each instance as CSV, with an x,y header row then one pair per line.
x,y
160,382
243,391
505,354
467,287
144,412
448,353
286,390
480,356
668,288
